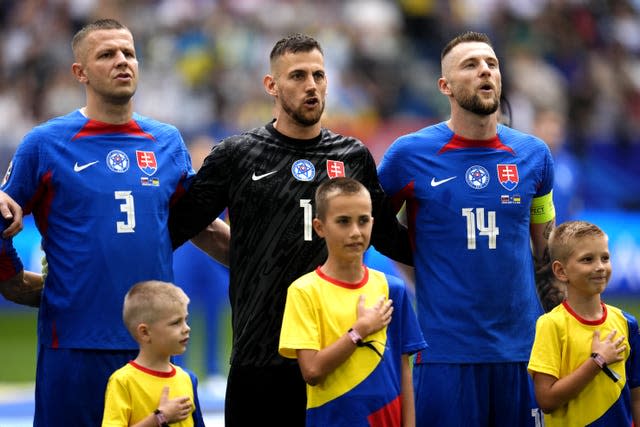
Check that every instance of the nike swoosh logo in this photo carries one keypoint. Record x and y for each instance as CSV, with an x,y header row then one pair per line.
x,y
264,175
435,183
78,168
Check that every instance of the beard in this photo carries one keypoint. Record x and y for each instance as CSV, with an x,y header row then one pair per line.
x,y
477,106
308,118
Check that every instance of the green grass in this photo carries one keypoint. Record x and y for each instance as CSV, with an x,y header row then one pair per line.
x,y
18,341
19,345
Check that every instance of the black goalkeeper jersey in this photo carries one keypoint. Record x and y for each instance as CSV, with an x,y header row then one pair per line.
x,y
268,182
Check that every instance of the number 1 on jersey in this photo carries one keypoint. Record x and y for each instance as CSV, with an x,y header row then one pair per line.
x,y
305,204
475,221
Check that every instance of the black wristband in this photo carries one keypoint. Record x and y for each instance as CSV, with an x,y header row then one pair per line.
x,y
160,418
603,365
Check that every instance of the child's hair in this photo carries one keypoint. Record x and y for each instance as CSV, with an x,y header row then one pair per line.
x,y
563,237
333,187
147,301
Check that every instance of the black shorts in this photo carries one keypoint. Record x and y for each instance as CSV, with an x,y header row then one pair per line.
x,y
268,396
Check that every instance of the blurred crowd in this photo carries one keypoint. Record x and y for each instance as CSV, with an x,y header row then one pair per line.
x,y
576,62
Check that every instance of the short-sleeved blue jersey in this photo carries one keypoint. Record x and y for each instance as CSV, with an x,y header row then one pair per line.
x,y
100,194
468,207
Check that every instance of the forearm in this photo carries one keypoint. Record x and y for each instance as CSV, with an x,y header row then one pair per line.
x,y
408,403
315,365
214,241
553,393
551,292
635,405
24,288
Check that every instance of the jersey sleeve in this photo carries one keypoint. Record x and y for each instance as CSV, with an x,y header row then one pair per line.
x,y
545,353
547,173
198,420
633,363
205,198
388,236
24,174
412,338
117,403
389,172
300,327
10,263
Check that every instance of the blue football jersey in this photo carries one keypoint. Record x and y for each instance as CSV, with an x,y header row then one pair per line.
x,y
468,207
100,195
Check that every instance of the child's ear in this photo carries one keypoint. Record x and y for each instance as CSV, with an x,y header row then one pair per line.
x,y
318,226
559,271
143,332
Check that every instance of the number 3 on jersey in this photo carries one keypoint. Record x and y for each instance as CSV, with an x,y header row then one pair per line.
x,y
128,208
475,222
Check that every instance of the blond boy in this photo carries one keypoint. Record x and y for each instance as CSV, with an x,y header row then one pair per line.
x,y
150,391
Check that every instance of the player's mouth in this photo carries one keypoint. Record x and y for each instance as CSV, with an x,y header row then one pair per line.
x,y
487,87
311,102
123,76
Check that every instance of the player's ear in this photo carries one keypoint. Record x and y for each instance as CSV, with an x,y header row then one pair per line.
x,y
79,73
318,226
559,271
269,83
443,85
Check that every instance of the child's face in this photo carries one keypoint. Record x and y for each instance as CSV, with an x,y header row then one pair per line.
x,y
347,225
588,268
169,334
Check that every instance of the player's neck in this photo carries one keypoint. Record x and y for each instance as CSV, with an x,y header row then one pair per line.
x,y
152,360
108,113
349,271
473,126
587,307
286,126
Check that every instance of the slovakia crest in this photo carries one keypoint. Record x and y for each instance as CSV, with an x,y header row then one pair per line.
x,y
335,169
508,176
118,161
147,162
477,177
303,170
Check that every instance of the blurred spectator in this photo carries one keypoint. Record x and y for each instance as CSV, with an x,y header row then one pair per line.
x,y
550,126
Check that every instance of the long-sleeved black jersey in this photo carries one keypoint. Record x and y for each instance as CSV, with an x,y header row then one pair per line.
x,y
268,182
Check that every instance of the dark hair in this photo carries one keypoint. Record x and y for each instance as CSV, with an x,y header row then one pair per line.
x,y
294,43
100,24
329,188
466,37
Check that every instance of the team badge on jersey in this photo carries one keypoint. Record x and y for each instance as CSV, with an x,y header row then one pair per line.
x,y
508,176
477,177
118,161
147,162
335,169
303,170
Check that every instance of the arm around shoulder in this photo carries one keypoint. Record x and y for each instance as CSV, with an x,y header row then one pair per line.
x,y
214,241
17,285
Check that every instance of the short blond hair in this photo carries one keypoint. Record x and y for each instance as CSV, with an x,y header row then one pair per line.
x,y
563,238
335,187
147,301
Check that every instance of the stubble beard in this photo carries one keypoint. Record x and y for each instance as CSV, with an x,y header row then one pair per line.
x,y
308,119
476,105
